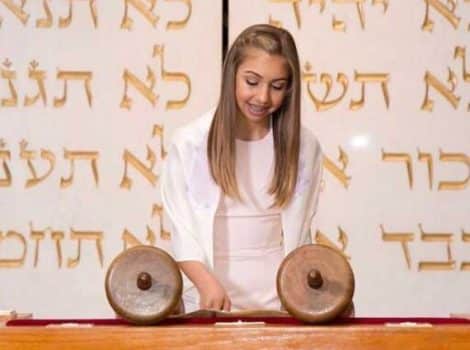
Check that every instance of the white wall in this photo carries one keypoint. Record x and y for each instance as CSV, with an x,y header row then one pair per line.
x,y
393,43
102,208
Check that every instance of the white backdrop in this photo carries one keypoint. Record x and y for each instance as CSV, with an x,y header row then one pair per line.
x,y
132,70
396,196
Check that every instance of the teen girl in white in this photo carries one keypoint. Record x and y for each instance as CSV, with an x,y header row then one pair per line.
x,y
241,183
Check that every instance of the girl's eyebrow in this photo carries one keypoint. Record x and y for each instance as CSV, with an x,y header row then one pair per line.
x,y
260,76
252,72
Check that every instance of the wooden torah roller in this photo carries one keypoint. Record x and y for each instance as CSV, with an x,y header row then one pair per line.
x,y
315,283
143,285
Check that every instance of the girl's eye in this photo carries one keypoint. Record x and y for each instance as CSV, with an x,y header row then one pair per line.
x,y
251,82
278,87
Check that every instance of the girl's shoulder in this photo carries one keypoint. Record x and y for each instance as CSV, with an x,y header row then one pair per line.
x,y
195,132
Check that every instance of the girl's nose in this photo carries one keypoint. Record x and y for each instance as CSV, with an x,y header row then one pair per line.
x,y
264,95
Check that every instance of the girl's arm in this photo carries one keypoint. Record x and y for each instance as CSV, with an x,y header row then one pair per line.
x,y
316,176
212,293
186,248
184,241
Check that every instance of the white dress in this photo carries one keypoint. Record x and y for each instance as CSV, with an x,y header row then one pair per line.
x,y
248,245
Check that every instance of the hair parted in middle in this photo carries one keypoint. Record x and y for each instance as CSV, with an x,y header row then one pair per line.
x,y
285,120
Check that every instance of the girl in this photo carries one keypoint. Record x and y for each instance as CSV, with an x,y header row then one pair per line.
x,y
241,183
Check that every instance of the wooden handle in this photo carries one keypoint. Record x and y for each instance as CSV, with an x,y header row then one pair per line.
x,y
314,278
144,281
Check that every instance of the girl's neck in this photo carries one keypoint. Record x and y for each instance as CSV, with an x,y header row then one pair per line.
x,y
247,131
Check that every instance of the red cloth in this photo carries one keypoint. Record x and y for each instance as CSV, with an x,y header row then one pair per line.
x,y
273,320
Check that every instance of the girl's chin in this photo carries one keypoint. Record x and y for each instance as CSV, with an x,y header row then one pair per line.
x,y
255,117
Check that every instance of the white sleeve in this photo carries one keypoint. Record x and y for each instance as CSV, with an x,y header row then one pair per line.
x,y
317,175
184,237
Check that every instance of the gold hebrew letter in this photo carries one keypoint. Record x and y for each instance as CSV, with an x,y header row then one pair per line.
x,y
310,78
17,10
45,22
456,158
448,93
130,240
426,157
339,25
295,7
36,236
146,91
147,172
274,22
364,78
465,265
321,3
29,156
158,131
74,75
157,211
140,6
38,76
400,157
449,264
14,262
460,53
4,156
384,3
322,239
58,237
9,75
158,50
404,238
339,173
326,79
447,12
80,236
176,25
91,156
64,22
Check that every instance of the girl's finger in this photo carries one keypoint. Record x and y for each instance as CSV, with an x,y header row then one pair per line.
x,y
227,304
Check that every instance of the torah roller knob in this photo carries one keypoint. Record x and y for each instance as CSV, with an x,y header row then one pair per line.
x,y
315,283
143,285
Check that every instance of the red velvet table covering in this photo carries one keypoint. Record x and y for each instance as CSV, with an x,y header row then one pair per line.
x,y
353,321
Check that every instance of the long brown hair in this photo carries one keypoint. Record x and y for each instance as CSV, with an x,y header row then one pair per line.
x,y
285,120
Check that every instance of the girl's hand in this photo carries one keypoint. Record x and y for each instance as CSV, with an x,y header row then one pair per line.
x,y
213,296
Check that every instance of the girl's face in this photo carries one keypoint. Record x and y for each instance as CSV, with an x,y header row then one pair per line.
x,y
260,86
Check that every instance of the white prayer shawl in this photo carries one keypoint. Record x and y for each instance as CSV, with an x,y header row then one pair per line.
x,y
190,196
